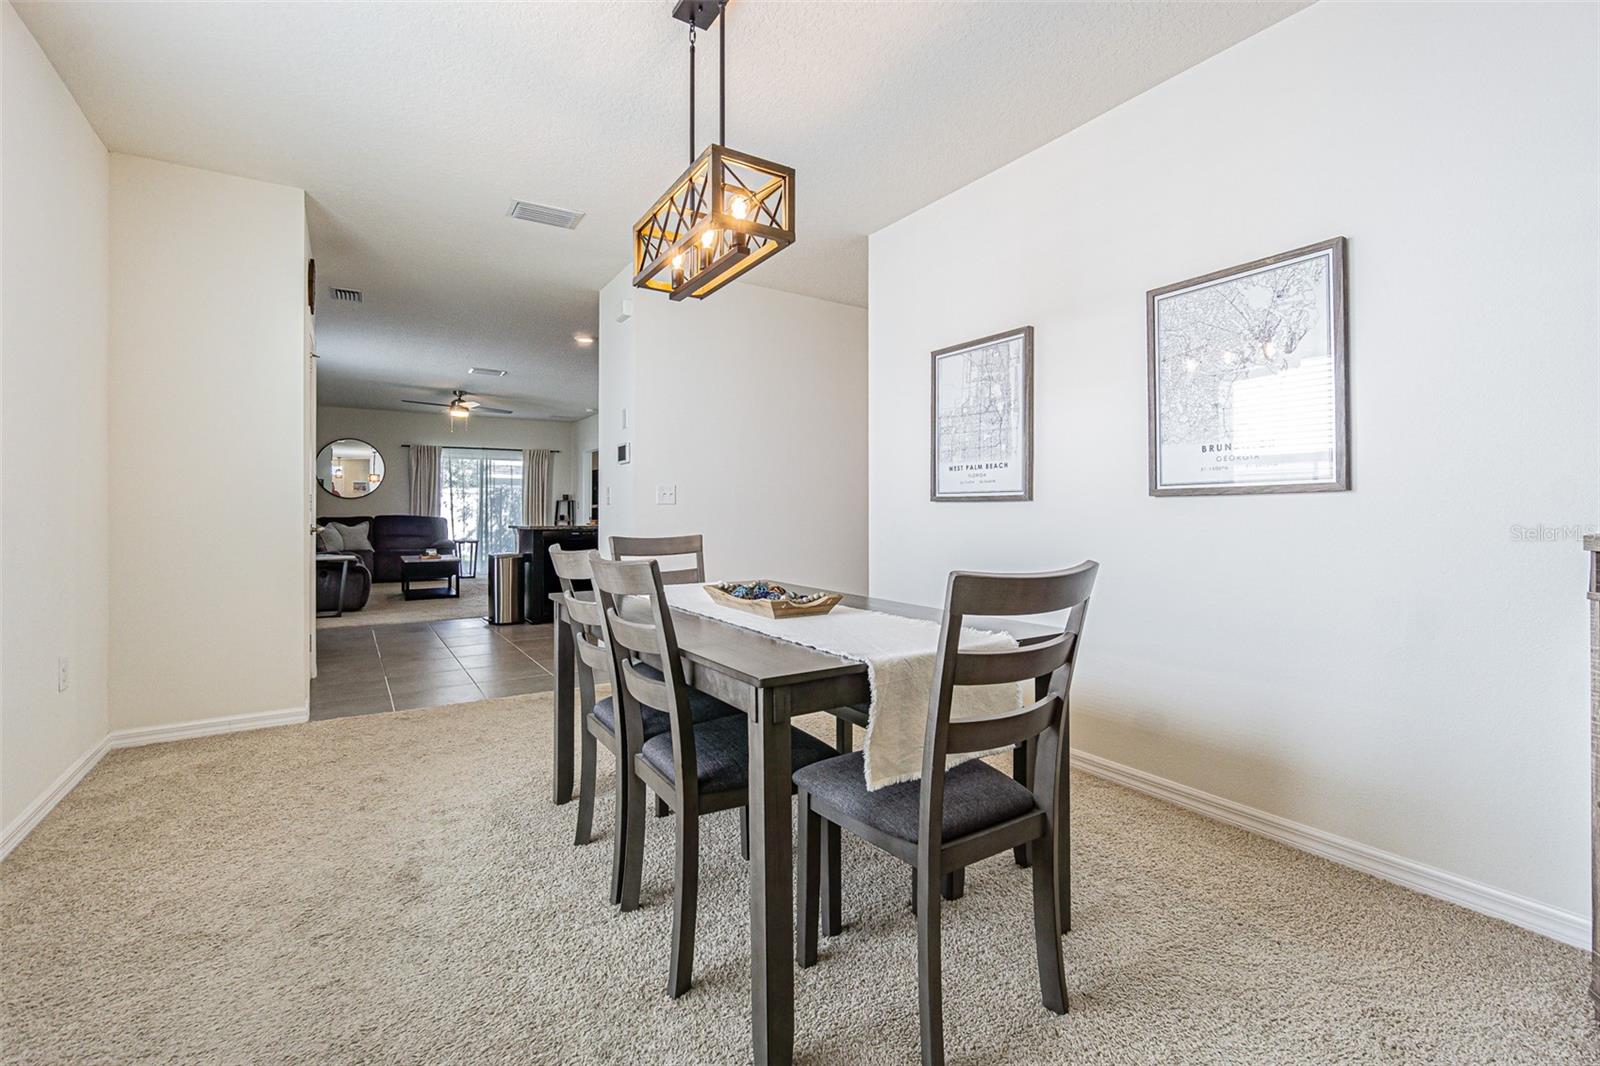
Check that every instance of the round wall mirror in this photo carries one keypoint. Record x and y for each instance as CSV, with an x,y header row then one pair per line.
x,y
348,468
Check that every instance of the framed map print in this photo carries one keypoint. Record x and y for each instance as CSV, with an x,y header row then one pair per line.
x,y
1248,388
983,419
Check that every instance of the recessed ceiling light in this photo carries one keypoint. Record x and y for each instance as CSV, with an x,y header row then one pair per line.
x,y
488,370
583,338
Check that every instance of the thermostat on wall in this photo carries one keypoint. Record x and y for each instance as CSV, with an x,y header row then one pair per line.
x,y
624,453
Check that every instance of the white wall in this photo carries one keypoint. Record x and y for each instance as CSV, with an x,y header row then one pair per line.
x,y
208,356
53,522
753,404
390,431
585,439
1389,664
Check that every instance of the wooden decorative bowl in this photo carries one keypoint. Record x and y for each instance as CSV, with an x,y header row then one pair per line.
x,y
786,605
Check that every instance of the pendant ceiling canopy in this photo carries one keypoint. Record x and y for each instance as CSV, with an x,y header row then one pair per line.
x,y
723,215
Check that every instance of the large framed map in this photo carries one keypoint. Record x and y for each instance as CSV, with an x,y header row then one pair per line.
x,y
1248,385
982,415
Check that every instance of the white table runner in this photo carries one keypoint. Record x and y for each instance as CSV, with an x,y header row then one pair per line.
x,y
899,656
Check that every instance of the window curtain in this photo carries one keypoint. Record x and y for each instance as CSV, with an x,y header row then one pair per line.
x,y
536,487
425,479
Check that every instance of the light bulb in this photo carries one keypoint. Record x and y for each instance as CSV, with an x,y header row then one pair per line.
x,y
740,208
459,412
709,239
677,261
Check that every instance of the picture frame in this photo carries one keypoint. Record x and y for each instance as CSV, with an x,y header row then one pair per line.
x,y
1248,373
981,420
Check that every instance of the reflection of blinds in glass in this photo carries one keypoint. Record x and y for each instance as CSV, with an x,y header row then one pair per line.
x,y
1288,414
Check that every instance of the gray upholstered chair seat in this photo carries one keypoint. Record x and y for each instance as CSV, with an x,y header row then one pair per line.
x,y
703,707
722,753
976,796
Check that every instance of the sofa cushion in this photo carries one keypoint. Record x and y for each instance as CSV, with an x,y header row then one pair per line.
x,y
409,533
329,540
354,537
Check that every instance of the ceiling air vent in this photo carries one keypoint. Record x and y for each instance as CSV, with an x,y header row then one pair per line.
x,y
489,371
544,213
346,296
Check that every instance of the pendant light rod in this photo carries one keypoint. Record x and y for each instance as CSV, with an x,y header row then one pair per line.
x,y
691,91
722,74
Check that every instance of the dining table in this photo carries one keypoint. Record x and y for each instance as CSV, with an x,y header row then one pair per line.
x,y
772,682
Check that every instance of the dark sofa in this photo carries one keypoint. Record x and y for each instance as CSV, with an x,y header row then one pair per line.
x,y
394,535
357,587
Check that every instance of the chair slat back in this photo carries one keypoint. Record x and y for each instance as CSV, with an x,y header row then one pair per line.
x,y
583,609
1048,663
1003,731
641,638
647,690
661,548
638,625
1020,664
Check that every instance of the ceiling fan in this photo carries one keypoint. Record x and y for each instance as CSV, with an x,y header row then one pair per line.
x,y
461,407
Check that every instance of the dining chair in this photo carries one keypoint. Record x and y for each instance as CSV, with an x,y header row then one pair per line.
x,y
699,764
593,663
658,548
954,816
595,660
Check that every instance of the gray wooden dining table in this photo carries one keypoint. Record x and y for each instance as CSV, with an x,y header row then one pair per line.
x,y
772,682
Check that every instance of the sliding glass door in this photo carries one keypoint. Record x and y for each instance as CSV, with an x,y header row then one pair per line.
x,y
480,492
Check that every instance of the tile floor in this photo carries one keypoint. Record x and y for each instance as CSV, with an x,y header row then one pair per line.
x,y
369,669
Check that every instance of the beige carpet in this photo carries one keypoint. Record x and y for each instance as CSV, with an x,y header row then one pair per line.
x,y
398,888
386,606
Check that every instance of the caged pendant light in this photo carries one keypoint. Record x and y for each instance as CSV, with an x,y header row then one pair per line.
x,y
722,216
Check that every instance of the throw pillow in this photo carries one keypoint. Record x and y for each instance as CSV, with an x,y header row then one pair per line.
x,y
354,537
331,541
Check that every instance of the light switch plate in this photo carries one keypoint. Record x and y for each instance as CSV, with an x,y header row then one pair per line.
x,y
666,495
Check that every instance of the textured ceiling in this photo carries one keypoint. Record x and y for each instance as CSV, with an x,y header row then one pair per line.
x,y
412,126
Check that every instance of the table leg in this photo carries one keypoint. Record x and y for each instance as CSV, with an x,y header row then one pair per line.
x,y
565,675
771,883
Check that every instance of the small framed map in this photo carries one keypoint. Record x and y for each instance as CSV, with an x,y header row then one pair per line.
x,y
1248,386
982,415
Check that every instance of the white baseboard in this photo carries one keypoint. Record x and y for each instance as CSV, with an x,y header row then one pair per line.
x,y
18,830
205,727
1565,926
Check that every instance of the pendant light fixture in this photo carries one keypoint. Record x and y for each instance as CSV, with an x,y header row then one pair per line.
x,y
726,213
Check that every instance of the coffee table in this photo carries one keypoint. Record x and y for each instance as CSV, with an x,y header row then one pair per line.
x,y
446,568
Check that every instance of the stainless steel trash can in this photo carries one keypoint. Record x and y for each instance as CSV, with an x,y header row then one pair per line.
x,y
505,589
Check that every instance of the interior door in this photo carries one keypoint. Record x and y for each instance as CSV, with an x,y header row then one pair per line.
x,y
311,500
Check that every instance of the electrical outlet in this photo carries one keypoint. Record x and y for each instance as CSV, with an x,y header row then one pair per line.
x,y
666,495
61,674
